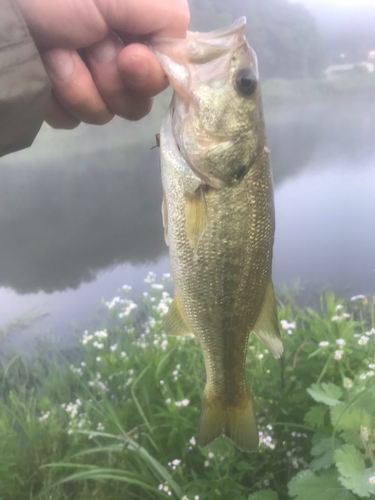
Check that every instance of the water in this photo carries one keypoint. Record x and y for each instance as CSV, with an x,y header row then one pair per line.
x,y
80,211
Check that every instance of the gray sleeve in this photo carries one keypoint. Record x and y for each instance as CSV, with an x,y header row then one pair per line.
x,y
24,84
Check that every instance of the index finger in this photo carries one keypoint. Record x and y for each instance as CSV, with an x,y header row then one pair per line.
x,y
145,17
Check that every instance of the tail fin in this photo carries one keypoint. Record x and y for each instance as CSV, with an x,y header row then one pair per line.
x,y
236,422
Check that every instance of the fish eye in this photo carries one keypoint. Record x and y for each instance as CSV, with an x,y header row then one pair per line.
x,y
246,81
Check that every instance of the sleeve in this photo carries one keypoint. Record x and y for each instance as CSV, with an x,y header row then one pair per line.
x,y
24,84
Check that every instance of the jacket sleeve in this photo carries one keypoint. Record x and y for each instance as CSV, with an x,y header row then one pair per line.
x,y
24,84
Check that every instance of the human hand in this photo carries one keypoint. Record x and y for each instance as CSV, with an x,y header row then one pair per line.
x,y
90,52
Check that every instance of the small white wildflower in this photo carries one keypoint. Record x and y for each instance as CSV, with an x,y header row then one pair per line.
x,y
358,297
338,354
164,344
363,340
335,318
185,402
160,486
176,462
113,347
98,359
323,343
347,383
166,488
340,306
372,366
211,454
83,364
123,354
260,356
127,288
45,415
168,400
157,286
370,373
161,382
86,338
175,372
192,441
362,376
372,480
100,427
346,315
196,497
98,345
206,463
340,342
131,372
290,332
150,277
286,325
102,334
369,333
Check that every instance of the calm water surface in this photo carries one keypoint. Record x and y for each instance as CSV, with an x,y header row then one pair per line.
x,y
80,212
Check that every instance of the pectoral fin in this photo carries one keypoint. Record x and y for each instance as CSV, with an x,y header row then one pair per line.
x,y
196,216
267,326
175,322
164,213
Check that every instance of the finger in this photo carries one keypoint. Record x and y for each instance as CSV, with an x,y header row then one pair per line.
x,y
74,87
119,98
58,117
167,17
140,70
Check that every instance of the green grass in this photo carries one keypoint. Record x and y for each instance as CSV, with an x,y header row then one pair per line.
x,y
120,423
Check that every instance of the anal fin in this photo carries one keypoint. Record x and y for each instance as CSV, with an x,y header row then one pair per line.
x,y
267,326
175,322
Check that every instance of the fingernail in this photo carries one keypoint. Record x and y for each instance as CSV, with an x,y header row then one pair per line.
x,y
136,68
104,50
59,63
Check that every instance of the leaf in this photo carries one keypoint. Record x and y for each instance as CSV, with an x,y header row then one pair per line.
x,y
353,472
315,416
323,449
328,394
307,486
264,495
347,418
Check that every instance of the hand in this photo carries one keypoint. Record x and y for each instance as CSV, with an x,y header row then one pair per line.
x,y
90,52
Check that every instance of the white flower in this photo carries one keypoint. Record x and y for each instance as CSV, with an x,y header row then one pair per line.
x,y
168,400
206,463
131,372
127,288
358,297
185,402
210,454
100,427
346,315
290,332
166,275
192,441
45,416
123,354
175,373
164,344
372,366
347,383
83,364
98,359
363,340
335,318
362,376
98,345
196,497
338,354
113,347
260,356
160,486
174,463
370,373
339,307
323,343
150,277
372,480
340,342
86,338
371,332
286,325
157,286
102,334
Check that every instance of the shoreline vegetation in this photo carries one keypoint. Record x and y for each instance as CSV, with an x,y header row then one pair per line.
x,y
119,419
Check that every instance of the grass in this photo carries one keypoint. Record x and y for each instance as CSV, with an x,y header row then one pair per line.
x,y
120,422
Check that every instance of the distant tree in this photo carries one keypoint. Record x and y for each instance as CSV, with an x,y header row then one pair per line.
x,y
283,34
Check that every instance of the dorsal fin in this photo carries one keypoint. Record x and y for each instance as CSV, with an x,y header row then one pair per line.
x,y
267,326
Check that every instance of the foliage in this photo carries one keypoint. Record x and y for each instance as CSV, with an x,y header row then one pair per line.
x,y
120,422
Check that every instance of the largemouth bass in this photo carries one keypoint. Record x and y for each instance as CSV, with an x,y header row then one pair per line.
x,y
219,218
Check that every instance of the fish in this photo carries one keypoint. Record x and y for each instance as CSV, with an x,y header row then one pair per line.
x,y
218,215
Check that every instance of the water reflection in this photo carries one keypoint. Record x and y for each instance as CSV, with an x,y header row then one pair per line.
x,y
88,200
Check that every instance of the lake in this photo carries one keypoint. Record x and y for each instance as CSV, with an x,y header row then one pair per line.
x,y
80,212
